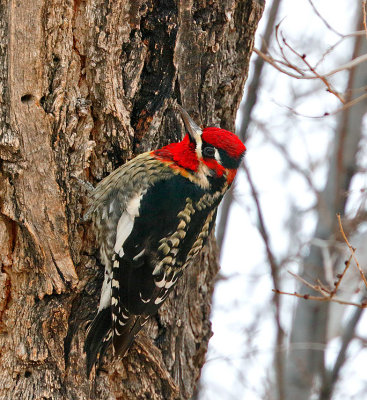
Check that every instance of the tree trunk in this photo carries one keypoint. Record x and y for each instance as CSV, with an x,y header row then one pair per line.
x,y
306,369
86,85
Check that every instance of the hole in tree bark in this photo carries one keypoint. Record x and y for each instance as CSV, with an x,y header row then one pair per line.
x,y
27,374
27,98
43,102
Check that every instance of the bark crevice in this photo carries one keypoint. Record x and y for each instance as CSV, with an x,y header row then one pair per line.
x,y
84,86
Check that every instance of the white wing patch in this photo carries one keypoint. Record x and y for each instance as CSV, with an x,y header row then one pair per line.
x,y
126,223
133,205
105,299
124,228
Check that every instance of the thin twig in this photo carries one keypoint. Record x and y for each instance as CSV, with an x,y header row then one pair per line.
x,y
317,298
324,20
345,106
269,59
302,57
262,228
364,16
352,250
326,293
304,281
341,276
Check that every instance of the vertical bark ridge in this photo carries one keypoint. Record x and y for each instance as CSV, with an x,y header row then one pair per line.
x,y
84,85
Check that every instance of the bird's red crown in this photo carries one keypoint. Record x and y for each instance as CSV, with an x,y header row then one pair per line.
x,y
225,140
189,153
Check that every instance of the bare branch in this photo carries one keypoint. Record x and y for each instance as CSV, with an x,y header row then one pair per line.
x,y
348,335
302,57
301,75
346,106
324,299
352,250
324,20
341,276
364,16
326,293
274,267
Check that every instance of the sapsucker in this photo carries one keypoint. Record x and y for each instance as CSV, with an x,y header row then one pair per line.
x,y
152,217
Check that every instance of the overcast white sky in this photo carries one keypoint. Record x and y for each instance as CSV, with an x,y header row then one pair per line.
x,y
243,298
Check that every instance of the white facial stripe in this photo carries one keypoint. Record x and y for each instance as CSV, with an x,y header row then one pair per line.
x,y
199,144
217,156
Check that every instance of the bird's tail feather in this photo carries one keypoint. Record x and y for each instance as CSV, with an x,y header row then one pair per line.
x,y
99,336
125,337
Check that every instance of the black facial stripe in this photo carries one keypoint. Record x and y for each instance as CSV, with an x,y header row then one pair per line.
x,y
227,161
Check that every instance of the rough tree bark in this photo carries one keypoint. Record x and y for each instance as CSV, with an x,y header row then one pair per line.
x,y
86,85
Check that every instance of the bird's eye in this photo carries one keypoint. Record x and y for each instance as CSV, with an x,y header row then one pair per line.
x,y
209,152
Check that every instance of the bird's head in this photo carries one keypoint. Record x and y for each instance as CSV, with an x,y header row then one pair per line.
x,y
207,153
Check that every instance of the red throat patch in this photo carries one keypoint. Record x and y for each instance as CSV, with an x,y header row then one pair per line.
x,y
214,166
231,175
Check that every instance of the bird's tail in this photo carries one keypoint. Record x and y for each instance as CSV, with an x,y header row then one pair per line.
x,y
102,331
124,335
99,336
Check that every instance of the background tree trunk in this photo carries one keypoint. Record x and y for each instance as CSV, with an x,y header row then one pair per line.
x,y
86,85
306,366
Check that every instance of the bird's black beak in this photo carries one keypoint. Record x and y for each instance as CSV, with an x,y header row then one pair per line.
x,y
193,130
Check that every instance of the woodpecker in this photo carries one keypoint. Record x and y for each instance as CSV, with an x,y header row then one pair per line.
x,y
152,217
